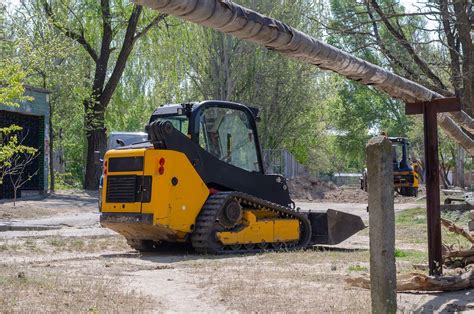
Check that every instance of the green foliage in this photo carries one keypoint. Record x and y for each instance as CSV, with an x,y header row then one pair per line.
x,y
10,147
59,65
358,113
11,91
66,181
324,120
411,255
11,84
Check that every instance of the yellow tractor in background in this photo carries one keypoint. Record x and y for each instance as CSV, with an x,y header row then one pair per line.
x,y
199,180
406,176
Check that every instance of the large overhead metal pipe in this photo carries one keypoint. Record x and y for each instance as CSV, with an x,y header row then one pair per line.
x,y
243,23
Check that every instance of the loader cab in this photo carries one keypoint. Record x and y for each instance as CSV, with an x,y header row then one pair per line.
x,y
226,130
400,147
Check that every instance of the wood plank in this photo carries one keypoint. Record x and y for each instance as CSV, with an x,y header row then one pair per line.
x,y
447,104
435,259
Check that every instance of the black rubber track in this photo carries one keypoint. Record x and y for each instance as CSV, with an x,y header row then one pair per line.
x,y
204,239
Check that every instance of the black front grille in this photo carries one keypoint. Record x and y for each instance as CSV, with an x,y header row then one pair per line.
x,y
128,189
121,189
399,179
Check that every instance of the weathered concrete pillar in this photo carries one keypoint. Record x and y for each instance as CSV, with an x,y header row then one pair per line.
x,y
382,225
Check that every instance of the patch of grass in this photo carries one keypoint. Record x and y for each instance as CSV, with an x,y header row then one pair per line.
x,y
412,216
64,292
459,217
9,246
407,258
8,211
30,244
76,245
57,242
411,228
358,268
408,254
285,282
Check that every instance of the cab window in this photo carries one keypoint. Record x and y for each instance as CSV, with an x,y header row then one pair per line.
x,y
228,134
180,123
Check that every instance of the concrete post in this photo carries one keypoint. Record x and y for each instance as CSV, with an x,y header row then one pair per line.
x,y
382,225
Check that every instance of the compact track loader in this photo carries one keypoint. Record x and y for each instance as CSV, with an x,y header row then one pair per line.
x,y
406,176
200,180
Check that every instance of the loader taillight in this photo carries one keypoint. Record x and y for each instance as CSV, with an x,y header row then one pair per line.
x,y
161,170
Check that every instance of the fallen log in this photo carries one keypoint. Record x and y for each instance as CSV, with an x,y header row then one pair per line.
x,y
456,229
459,253
464,207
421,282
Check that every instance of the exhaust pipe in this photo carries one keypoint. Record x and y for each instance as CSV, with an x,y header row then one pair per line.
x,y
333,226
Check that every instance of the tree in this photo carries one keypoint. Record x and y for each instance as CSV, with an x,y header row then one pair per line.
x,y
15,166
224,67
52,63
431,46
11,91
15,158
118,24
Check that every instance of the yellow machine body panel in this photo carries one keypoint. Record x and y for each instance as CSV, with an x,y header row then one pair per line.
x,y
178,193
116,207
264,230
176,198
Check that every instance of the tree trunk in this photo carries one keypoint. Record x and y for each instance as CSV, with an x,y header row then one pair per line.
x,y
444,177
96,141
460,167
14,197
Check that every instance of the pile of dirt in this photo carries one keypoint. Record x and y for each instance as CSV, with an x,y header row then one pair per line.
x,y
308,188
345,194
311,189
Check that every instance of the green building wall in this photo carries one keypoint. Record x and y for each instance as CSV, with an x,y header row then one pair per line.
x,y
39,107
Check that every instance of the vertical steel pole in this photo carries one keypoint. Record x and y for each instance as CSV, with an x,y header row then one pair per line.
x,y
432,189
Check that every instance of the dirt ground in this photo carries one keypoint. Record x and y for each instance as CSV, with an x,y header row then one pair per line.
x,y
55,257
314,190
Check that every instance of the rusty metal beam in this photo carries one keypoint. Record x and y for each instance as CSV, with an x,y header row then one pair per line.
x,y
448,104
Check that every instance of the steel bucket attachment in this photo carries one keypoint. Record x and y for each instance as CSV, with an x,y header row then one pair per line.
x,y
333,226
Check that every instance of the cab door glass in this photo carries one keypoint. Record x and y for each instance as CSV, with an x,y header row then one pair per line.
x,y
228,134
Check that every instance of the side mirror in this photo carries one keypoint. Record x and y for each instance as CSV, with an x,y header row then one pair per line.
x,y
120,142
97,158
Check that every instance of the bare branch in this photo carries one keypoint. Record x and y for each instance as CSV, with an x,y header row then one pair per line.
x,y
400,37
156,20
78,37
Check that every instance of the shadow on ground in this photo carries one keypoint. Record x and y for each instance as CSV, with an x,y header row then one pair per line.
x,y
448,302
